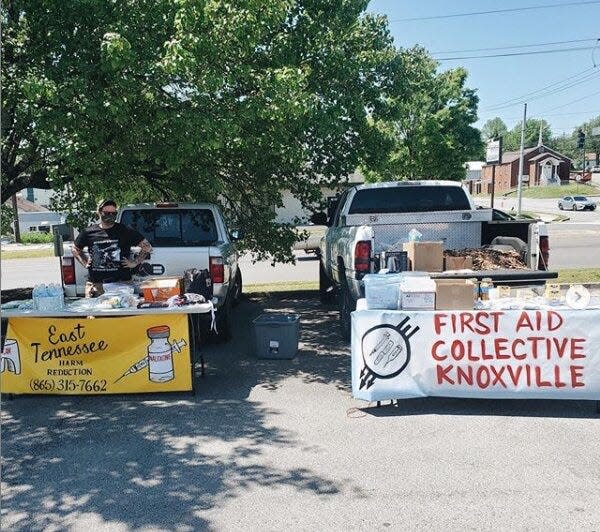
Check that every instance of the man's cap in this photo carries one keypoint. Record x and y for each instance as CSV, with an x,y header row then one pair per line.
x,y
106,202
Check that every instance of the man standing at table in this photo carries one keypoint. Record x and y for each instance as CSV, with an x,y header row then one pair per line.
x,y
109,247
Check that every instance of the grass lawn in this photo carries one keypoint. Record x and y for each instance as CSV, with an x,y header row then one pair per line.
x,y
579,275
285,286
557,191
27,254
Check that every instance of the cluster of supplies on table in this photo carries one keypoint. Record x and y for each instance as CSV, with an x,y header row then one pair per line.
x,y
194,286
403,283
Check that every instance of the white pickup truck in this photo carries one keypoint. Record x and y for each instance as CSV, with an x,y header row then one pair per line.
x,y
183,236
369,219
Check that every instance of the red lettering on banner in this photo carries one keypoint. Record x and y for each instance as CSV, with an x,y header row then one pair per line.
x,y
497,374
577,350
482,370
434,349
465,322
514,351
438,323
442,374
524,321
463,376
534,345
561,346
499,347
457,350
555,320
515,373
483,328
576,374
538,378
557,382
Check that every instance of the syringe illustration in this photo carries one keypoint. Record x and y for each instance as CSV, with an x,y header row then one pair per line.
x,y
143,363
384,352
391,342
385,341
393,355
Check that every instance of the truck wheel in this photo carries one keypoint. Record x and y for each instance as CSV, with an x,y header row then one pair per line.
x,y
345,302
326,288
236,295
223,333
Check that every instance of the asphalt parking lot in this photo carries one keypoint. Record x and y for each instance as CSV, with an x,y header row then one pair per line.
x,y
272,444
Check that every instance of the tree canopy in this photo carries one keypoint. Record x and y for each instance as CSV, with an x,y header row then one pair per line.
x,y
429,128
512,139
493,129
227,101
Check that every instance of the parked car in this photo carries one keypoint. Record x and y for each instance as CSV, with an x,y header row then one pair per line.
x,y
595,168
576,203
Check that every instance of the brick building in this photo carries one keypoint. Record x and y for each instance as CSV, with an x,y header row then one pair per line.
x,y
541,166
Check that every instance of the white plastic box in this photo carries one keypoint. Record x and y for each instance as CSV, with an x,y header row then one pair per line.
x,y
382,291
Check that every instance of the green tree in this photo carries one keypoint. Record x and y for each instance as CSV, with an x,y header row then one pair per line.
x,y
512,140
6,219
567,143
493,129
430,123
229,101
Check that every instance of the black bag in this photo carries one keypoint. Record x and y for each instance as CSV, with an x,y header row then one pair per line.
x,y
199,283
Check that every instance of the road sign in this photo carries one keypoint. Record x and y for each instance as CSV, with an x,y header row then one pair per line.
x,y
493,153
595,131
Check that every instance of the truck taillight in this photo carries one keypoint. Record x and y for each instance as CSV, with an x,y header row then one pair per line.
x,y
362,256
217,270
544,253
68,270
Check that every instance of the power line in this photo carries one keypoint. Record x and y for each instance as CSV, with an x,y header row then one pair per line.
x,y
592,39
545,115
578,100
536,52
512,10
553,88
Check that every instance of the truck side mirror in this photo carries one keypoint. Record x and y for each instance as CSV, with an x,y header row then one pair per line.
x,y
237,234
319,218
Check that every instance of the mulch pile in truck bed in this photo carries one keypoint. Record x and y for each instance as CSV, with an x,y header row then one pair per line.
x,y
490,259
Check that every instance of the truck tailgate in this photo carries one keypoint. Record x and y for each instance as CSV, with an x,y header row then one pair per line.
x,y
174,261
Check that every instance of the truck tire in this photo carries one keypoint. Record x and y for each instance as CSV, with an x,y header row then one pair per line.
x,y
326,288
347,305
236,295
223,333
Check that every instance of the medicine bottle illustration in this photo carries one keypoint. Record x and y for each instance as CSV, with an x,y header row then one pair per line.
x,y
160,354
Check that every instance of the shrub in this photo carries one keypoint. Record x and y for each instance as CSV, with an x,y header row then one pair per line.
x,y
37,238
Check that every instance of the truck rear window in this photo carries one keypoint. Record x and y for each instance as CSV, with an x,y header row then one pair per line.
x,y
409,199
173,227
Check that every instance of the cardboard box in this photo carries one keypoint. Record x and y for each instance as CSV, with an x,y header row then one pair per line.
x,y
162,288
458,263
454,294
425,256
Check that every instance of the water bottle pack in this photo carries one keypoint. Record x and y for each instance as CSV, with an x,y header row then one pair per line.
x,y
48,297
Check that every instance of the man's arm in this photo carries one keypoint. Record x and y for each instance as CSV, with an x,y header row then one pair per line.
x,y
145,251
80,256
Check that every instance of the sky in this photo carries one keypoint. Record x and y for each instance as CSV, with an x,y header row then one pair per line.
x,y
562,88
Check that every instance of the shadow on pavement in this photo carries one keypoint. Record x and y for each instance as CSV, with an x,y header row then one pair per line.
x,y
165,460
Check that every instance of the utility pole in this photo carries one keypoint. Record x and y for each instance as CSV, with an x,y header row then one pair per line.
x,y
521,157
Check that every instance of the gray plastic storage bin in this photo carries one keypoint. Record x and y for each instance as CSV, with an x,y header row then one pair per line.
x,y
277,335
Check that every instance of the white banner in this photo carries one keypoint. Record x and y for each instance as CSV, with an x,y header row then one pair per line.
x,y
527,354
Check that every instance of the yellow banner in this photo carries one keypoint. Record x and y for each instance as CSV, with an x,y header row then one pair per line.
x,y
125,354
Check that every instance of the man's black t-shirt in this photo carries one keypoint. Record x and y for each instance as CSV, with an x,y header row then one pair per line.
x,y
107,247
